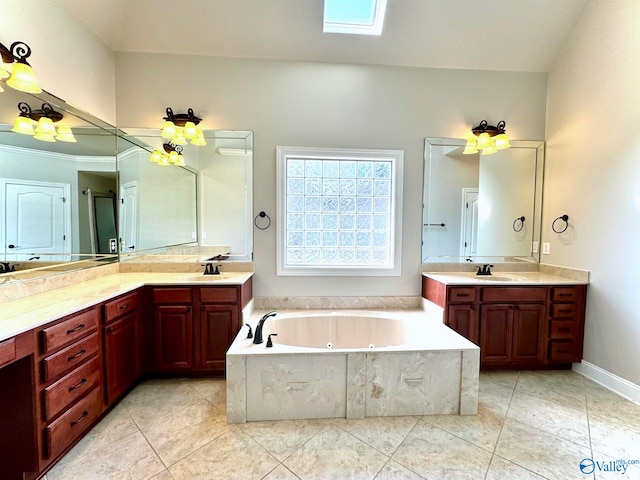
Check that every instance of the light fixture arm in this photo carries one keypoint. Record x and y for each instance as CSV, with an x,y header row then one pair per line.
x,y
170,147
484,127
46,111
181,119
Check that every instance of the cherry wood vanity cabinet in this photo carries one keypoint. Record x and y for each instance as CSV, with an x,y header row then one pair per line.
x,y
193,327
122,344
539,326
69,387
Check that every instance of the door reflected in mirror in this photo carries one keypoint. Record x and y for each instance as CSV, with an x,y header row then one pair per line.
x,y
204,206
482,207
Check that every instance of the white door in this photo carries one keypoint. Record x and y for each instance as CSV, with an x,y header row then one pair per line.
x,y
469,227
35,220
128,217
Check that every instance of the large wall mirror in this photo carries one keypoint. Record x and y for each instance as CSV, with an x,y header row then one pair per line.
x,y
484,208
202,206
58,208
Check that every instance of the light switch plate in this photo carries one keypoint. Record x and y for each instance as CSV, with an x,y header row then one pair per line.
x,y
536,245
546,248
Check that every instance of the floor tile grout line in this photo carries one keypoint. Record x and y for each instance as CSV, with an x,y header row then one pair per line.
x,y
586,406
504,417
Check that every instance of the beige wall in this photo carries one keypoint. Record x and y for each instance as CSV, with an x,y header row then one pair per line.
x,y
593,175
70,62
329,105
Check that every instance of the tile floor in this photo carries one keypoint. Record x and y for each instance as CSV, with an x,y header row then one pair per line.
x,y
530,425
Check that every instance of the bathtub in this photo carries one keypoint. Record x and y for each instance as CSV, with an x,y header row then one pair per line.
x,y
351,364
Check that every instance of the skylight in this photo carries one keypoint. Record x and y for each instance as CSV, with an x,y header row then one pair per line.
x,y
356,17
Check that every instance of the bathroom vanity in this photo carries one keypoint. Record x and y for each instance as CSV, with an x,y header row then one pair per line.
x,y
69,355
529,320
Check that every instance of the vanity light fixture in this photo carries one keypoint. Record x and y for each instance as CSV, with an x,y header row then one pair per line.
x,y
15,70
43,120
487,138
180,127
172,155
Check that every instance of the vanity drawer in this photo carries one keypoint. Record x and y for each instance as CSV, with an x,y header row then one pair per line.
x,y
563,310
70,357
172,295
564,294
462,294
120,306
514,294
73,422
69,388
7,351
563,329
563,351
69,330
219,295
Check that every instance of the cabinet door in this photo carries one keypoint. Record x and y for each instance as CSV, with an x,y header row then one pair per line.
x,y
496,334
464,320
219,324
173,335
121,355
528,333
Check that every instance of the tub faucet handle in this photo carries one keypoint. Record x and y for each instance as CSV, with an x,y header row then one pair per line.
x,y
250,334
269,342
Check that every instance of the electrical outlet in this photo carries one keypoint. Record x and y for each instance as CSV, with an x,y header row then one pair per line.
x,y
546,248
113,245
535,247
204,235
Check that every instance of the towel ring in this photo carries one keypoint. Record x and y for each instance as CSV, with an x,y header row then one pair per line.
x,y
262,215
515,224
565,219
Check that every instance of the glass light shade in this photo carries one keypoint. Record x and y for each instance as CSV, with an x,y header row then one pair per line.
x,y
489,150
45,126
156,156
199,141
484,140
4,73
65,134
173,157
471,146
168,130
180,161
190,130
179,139
501,141
43,137
23,78
164,161
23,125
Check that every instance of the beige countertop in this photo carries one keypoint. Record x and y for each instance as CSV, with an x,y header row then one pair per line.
x,y
18,316
512,279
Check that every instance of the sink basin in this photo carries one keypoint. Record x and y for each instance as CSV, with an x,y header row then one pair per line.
x,y
209,278
500,278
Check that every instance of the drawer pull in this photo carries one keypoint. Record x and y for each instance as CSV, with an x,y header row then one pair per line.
x,y
462,295
126,305
79,354
564,310
78,328
564,350
414,382
82,382
84,415
565,294
564,329
111,329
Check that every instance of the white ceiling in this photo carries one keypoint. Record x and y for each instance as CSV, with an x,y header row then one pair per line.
x,y
514,35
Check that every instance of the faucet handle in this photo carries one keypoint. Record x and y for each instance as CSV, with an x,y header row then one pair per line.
x,y
269,342
250,334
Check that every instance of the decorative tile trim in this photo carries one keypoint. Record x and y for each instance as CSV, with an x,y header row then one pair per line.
x,y
323,303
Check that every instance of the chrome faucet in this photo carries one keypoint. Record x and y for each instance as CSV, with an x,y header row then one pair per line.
x,y
484,270
257,336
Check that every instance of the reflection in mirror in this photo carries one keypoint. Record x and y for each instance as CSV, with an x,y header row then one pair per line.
x,y
47,223
166,209
482,207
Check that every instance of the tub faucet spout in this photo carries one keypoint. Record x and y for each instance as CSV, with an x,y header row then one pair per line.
x,y
257,336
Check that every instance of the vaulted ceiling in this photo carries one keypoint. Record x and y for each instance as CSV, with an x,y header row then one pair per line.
x,y
505,35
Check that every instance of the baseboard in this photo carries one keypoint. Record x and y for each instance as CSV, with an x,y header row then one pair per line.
x,y
616,384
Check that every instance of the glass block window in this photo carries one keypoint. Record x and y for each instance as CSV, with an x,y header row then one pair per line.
x,y
338,210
